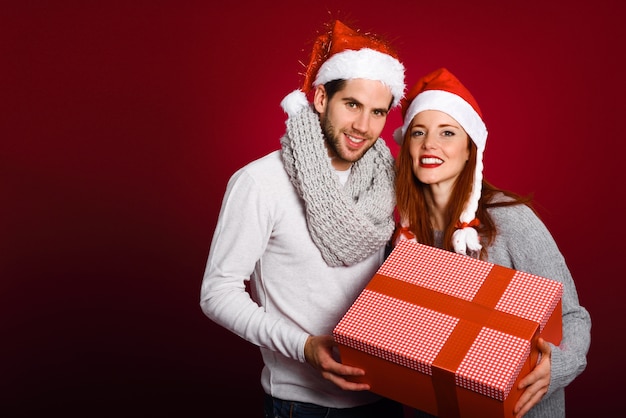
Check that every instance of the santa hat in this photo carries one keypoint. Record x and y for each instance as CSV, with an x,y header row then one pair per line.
x,y
441,90
344,53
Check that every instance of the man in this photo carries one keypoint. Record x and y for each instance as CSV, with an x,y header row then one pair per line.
x,y
307,226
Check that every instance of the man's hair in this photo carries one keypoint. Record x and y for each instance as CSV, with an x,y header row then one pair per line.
x,y
334,86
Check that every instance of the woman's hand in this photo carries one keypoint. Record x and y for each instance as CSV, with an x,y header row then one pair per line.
x,y
535,385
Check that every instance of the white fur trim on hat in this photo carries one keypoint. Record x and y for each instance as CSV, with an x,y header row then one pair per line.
x,y
451,104
364,63
294,102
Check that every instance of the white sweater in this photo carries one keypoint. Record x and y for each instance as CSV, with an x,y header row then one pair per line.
x,y
262,236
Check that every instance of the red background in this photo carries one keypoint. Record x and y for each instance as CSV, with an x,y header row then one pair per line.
x,y
122,121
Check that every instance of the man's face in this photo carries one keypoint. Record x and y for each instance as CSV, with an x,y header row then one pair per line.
x,y
353,119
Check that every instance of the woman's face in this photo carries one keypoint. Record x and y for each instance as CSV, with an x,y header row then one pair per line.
x,y
439,147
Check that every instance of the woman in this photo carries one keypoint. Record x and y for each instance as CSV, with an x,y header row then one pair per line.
x,y
443,200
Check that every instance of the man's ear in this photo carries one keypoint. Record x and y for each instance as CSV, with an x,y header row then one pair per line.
x,y
320,99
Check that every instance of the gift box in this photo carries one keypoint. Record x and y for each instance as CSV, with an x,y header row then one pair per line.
x,y
449,334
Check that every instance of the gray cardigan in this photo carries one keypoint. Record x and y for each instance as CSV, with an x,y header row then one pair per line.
x,y
524,243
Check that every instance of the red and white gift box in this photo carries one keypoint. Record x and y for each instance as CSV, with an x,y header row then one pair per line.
x,y
449,334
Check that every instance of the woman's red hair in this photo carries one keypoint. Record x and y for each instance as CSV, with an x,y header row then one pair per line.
x,y
411,203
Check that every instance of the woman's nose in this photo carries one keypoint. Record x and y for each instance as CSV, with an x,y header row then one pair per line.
x,y
429,141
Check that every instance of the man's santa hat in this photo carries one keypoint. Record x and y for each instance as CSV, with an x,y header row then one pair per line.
x,y
441,90
344,53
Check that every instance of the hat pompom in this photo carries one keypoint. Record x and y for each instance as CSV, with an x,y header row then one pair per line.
x,y
465,239
397,136
294,102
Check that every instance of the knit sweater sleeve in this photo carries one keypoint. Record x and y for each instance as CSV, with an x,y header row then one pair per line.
x,y
525,244
241,235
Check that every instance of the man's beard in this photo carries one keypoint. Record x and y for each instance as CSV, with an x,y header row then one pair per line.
x,y
333,142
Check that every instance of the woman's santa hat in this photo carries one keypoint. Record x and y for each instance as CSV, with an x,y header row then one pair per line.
x,y
441,90
344,53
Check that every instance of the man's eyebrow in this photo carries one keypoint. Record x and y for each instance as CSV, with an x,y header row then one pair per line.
x,y
350,99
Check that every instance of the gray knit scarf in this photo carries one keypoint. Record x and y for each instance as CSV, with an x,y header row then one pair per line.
x,y
347,223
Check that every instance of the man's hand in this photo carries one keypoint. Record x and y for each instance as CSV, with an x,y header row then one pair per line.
x,y
535,385
318,352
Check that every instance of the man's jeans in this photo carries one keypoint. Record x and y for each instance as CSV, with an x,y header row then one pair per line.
x,y
278,408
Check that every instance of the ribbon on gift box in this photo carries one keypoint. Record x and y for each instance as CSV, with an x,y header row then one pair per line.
x,y
473,316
